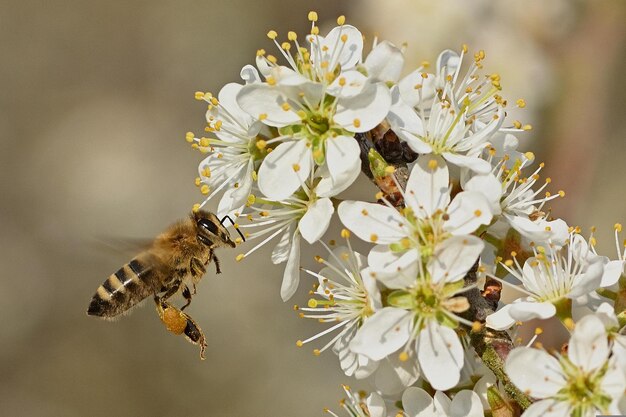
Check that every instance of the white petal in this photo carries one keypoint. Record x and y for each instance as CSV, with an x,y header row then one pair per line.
x,y
277,177
351,50
405,121
490,187
468,211
412,96
385,62
394,375
261,99
588,346
535,372
367,220
501,319
281,250
291,277
466,404
479,166
440,355
590,280
454,257
525,311
427,189
548,408
448,61
376,405
383,333
395,270
343,157
364,111
315,221
613,270
417,403
348,84
250,74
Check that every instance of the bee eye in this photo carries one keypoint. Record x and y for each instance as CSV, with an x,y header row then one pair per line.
x,y
208,225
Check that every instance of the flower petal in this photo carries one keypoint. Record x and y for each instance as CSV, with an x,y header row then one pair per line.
x,y
265,102
369,220
348,84
278,178
589,346
490,187
454,257
439,349
474,163
548,408
613,270
364,111
351,50
250,74
343,157
417,403
394,375
395,270
315,221
466,404
383,333
282,248
427,187
291,277
501,319
467,212
525,311
385,62
535,372
417,87
376,405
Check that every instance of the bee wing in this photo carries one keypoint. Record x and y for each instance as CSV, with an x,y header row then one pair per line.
x,y
122,246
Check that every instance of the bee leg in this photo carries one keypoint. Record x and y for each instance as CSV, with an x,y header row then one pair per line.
x,y
217,265
187,295
178,323
194,289
197,267
173,289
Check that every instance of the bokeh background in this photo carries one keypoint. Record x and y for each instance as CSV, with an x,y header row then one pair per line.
x,y
95,101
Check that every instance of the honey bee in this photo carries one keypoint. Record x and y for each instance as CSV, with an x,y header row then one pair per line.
x,y
175,261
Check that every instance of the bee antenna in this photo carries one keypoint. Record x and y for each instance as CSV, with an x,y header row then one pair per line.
x,y
234,225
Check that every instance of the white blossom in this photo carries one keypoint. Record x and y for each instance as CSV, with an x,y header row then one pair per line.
x,y
418,403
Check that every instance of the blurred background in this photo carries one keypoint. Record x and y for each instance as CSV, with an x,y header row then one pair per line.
x,y
96,99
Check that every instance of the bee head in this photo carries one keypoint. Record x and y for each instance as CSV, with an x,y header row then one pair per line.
x,y
211,232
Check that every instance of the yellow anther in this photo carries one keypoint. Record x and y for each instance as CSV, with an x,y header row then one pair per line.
x,y
476,326
189,137
240,257
548,180
262,116
270,80
316,352
374,237
292,36
464,48
254,174
204,142
424,75
390,169
405,242
318,259
286,46
260,52
513,253
432,164
403,356
417,86
195,208
296,167
341,20
214,101
199,95
379,195
261,144
521,103
569,323
272,59
342,81
561,193
194,146
364,212
315,30
286,106
517,124
356,123
593,241
198,181
538,331
529,155
527,127
312,303
299,343
345,233
312,16
272,34
508,262
478,213
344,38
618,227
425,64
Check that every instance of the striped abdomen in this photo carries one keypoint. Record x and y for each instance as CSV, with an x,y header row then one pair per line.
x,y
122,290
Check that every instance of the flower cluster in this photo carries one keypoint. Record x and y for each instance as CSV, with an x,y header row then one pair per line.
x,y
458,203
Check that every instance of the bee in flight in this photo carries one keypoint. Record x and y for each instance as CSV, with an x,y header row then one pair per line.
x,y
175,261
